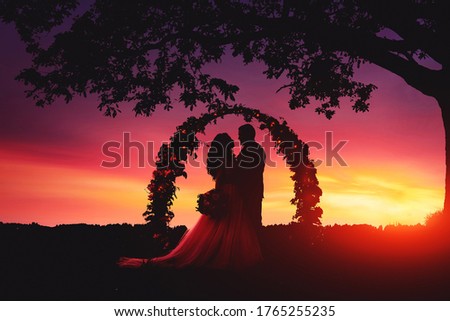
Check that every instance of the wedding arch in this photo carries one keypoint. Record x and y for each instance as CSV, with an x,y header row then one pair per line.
x,y
172,158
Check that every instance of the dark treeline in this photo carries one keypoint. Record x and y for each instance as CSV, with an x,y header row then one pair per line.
x,y
340,262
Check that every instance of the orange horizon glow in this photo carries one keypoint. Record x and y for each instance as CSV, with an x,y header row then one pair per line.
x,y
43,191
50,159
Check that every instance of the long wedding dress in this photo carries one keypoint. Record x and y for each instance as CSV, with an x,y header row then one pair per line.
x,y
226,242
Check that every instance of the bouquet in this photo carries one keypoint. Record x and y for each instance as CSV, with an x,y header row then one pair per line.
x,y
212,203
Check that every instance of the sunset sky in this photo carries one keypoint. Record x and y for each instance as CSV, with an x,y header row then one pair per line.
x,y
50,159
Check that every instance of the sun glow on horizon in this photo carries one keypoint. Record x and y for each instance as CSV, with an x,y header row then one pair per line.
x,y
369,195
50,158
58,193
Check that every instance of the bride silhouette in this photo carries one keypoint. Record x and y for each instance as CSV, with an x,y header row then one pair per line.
x,y
228,241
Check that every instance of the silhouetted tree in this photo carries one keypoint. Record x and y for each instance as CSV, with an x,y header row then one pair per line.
x,y
142,51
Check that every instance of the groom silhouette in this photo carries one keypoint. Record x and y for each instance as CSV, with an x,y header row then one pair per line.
x,y
251,162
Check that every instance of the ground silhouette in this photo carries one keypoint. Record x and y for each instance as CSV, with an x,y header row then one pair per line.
x,y
358,262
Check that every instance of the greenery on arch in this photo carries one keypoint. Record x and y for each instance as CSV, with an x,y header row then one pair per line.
x,y
172,157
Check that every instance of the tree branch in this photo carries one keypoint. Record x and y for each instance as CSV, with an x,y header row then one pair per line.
x,y
367,46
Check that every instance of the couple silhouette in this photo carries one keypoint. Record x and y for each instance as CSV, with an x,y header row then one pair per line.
x,y
231,240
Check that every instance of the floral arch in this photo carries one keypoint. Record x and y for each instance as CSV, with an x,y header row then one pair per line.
x,y
172,158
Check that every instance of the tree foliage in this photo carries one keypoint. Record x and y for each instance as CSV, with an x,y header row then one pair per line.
x,y
146,51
